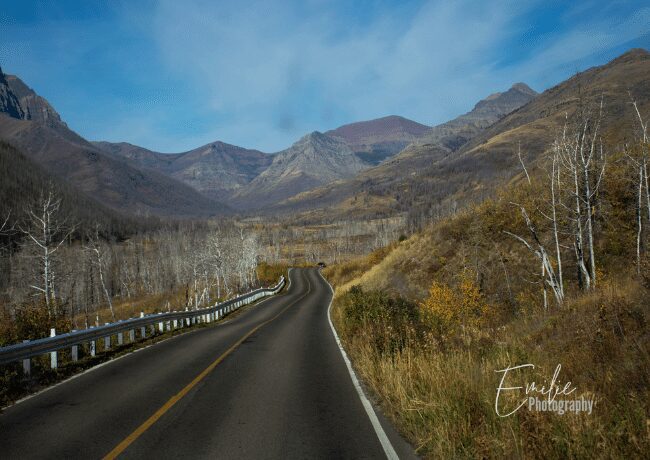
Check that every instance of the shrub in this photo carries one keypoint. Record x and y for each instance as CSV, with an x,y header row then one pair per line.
x,y
390,322
448,310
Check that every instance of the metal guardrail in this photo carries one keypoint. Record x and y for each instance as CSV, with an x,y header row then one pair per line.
x,y
166,321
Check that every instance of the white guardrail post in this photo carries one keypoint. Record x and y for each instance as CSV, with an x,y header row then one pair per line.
x,y
53,363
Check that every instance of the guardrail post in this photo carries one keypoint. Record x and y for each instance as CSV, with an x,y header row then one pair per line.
x,y
175,324
93,348
53,361
143,329
120,338
107,341
74,350
132,335
74,353
27,364
160,327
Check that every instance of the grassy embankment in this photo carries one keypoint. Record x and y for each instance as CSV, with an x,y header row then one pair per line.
x,y
429,320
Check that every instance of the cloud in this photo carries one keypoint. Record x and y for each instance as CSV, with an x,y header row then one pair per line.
x,y
172,75
290,71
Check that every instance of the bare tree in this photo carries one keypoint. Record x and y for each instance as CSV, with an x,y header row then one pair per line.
x,y
578,154
46,231
641,164
100,257
549,276
644,153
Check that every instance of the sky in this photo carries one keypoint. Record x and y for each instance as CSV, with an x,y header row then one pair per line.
x,y
173,75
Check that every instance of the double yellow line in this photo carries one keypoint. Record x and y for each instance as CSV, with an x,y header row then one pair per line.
x,y
178,396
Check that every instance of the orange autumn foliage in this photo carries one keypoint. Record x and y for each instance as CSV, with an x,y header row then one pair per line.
x,y
449,309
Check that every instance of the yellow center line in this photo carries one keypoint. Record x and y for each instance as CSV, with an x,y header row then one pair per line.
x,y
178,396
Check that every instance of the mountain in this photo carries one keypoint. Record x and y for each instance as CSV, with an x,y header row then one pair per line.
x,y
35,107
382,189
375,140
24,181
432,179
486,112
216,169
314,160
37,130
221,171
536,124
9,103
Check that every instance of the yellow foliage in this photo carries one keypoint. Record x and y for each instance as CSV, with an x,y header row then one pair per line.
x,y
447,308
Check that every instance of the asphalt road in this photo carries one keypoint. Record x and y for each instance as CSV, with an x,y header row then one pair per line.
x,y
270,383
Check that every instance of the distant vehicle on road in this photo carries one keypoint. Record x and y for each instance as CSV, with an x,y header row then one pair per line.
x,y
322,264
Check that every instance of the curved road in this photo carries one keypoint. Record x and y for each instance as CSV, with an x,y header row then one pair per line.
x,y
270,383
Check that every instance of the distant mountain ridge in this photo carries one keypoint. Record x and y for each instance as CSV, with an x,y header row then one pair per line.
x,y
434,177
372,155
314,160
375,140
454,133
216,169
30,123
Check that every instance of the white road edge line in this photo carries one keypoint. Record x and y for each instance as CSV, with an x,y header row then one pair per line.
x,y
370,411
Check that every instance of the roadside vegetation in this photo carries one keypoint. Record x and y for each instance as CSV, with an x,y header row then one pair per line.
x,y
547,273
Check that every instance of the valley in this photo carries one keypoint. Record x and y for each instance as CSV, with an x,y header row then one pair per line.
x,y
518,230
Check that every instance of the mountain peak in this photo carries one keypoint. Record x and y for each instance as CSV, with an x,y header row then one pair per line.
x,y
505,102
9,103
31,106
523,88
635,54
454,133
378,139
313,137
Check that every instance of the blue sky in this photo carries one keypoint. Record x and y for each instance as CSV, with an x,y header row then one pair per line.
x,y
173,75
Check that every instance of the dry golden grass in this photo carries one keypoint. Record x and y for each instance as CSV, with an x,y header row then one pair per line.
x,y
442,400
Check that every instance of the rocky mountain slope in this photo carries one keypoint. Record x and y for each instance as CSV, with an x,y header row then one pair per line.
x,y
9,103
453,134
34,107
250,179
383,189
216,170
434,179
314,160
375,140
24,182
38,131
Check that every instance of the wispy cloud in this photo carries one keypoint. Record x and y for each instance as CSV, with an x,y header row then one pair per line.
x,y
172,75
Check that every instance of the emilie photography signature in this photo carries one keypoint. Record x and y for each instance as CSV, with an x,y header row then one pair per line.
x,y
551,396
